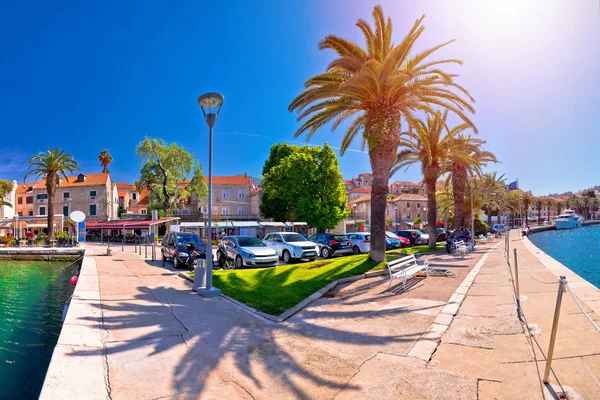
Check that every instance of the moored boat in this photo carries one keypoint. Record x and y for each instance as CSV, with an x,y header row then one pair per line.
x,y
568,220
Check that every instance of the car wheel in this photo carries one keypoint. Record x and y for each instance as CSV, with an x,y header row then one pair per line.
x,y
355,250
325,253
192,266
176,262
239,263
286,257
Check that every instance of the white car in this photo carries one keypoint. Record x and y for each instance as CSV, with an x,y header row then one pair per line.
x,y
361,242
291,246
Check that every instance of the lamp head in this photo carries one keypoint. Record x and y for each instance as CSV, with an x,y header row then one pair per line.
x,y
211,103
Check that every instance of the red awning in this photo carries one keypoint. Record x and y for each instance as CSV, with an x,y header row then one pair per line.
x,y
140,224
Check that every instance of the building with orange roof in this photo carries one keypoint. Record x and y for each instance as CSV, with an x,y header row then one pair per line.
x,y
93,194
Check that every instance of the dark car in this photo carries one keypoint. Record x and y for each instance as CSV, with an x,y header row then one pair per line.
x,y
440,235
173,247
332,243
411,235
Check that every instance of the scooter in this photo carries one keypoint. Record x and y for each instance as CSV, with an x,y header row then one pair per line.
x,y
191,261
225,262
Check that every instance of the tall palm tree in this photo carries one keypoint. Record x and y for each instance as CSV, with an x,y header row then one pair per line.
x,y
105,160
558,206
470,159
51,166
5,188
538,204
527,199
494,189
376,87
429,147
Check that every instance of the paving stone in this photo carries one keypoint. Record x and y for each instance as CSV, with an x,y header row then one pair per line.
x,y
423,349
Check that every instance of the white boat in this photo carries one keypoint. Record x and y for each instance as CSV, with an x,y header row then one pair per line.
x,y
568,220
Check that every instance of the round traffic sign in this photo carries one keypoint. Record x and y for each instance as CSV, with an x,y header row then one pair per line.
x,y
77,216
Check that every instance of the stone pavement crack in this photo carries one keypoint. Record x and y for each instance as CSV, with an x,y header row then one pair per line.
x,y
356,373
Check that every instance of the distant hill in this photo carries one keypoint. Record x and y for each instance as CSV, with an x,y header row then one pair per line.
x,y
597,187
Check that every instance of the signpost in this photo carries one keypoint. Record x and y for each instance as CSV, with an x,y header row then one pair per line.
x,y
154,233
78,217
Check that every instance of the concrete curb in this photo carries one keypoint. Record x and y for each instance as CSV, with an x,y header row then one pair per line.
x,y
427,344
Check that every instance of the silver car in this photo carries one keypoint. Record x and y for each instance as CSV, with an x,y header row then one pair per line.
x,y
361,242
249,251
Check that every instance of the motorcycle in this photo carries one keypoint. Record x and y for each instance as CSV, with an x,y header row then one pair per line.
x,y
191,261
225,262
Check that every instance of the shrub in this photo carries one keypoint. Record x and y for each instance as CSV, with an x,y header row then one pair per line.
x,y
7,239
61,235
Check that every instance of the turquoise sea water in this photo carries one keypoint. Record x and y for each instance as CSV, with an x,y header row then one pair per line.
x,y
578,249
32,297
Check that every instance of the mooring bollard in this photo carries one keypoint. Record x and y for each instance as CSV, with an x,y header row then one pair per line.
x,y
561,289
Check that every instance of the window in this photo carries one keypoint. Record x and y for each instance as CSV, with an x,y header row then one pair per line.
x,y
241,194
66,195
30,213
92,193
92,209
225,193
418,215
29,200
240,210
42,210
225,211
20,200
20,213
418,205
65,210
42,196
407,205
134,196
143,211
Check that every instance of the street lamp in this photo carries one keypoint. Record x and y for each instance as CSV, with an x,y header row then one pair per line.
x,y
210,103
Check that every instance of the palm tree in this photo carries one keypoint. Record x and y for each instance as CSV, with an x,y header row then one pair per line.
x,y
51,166
469,161
538,204
549,202
558,206
375,87
527,198
494,189
429,147
5,188
105,160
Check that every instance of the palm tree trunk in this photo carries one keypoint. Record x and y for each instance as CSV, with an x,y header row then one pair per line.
x,y
431,211
459,184
382,156
51,189
489,211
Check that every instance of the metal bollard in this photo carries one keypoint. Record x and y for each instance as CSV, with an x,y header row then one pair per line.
x,y
561,289
140,246
517,285
146,248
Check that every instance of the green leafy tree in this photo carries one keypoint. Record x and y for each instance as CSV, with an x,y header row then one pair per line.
x,y
273,204
51,166
5,188
310,182
165,171
105,160
374,88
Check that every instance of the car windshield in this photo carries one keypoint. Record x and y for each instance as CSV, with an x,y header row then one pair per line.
x,y
420,233
293,237
250,242
392,235
183,239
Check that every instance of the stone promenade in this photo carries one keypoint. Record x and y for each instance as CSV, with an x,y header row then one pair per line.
x,y
135,330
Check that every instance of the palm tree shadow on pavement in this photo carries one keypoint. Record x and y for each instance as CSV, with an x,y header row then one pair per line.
x,y
196,344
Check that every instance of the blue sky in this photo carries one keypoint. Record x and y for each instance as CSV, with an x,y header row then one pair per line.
x,y
85,75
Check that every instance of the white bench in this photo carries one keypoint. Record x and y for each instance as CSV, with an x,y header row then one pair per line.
x,y
483,238
403,267
461,247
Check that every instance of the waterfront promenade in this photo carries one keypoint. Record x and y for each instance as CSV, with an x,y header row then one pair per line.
x,y
135,330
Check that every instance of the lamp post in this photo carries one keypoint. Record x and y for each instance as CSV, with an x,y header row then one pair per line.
x,y
210,103
355,227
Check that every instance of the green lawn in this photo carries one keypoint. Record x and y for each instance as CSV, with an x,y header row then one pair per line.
x,y
274,290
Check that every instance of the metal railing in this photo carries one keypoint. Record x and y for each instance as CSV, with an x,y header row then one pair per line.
x,y
562,288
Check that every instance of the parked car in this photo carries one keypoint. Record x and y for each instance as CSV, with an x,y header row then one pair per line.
x,y
499,227
414,236
331,243
248,251
392,238
361,242
441,234
291,246
173,247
